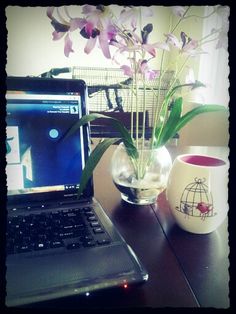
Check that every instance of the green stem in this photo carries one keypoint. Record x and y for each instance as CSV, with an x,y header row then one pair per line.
x,y
141,161
157,111
201,17
184,17
209,35
132,110
180,20
209,41
132,100
136,101
162,72
144,111
177,75
165,104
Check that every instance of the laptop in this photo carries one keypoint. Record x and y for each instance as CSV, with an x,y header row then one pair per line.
x,y
57,245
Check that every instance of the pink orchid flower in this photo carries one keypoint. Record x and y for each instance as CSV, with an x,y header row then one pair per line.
x,y
133,14
89,27
190,47
143,69
178,10
68,45
97,25
127,70
151,48
61,30
186,45
134,42
104,37
147,72
173,40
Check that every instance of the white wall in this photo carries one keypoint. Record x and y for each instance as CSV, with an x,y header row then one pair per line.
x,y
217,61
208,129
31,50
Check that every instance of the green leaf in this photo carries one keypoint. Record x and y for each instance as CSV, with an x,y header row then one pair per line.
x,y
169,127
126,138
193,86
84,120
100,149
174,124
160,122
125,135
156,136
93,160
196,111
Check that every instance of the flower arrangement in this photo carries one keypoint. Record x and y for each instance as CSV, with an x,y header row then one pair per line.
x,y
122,34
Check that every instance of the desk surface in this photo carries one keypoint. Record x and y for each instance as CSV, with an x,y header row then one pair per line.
x,y
185,270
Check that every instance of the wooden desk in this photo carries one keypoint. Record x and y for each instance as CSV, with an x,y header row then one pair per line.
x,y
185,270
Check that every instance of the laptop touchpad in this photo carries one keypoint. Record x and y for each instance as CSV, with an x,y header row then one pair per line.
x,y
103,263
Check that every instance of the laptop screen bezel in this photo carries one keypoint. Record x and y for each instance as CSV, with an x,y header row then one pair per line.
x,y
47,86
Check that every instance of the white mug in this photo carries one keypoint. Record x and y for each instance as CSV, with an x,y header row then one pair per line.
x,y
197,192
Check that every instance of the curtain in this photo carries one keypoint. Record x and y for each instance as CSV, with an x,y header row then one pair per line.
x,y
214,68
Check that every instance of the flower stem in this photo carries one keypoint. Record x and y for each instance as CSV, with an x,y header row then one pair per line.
x,y
164,105
201,17
136,98
144,111
180,20
132,110
203,41
157,111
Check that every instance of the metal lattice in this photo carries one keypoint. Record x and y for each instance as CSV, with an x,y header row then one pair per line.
x,y
110,89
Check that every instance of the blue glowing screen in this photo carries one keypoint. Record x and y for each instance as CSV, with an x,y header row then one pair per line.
x,y
38,159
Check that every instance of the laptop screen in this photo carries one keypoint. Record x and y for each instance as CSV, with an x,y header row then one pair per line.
x,y
38,159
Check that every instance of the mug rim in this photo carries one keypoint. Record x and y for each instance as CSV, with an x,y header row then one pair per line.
x,y
219,162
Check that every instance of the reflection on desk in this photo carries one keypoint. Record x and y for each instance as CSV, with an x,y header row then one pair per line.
x,y
185,270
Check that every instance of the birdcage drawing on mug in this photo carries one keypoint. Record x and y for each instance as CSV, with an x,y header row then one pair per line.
x,y
196,200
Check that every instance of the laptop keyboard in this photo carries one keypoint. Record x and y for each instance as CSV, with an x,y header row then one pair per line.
x,y
71,229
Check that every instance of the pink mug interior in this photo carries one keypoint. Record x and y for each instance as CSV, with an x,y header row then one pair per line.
x,y
200,160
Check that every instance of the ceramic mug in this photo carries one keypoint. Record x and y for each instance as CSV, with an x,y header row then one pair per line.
x,y
197,192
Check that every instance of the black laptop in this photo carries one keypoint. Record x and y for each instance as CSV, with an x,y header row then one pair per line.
x,y
57,245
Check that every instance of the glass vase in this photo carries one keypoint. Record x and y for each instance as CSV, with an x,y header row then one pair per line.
x,y
141,180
